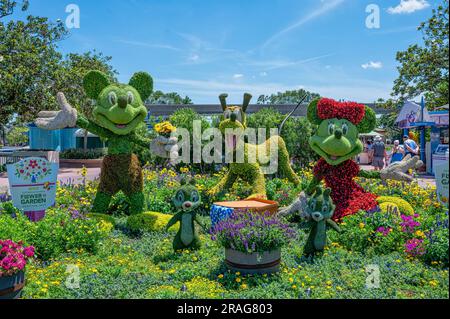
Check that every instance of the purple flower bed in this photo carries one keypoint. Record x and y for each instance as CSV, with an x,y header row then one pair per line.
x,y
252,232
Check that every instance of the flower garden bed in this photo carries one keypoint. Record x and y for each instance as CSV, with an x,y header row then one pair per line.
x,y
410,251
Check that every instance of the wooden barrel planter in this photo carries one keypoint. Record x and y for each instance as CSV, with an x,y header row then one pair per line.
x,y
11,286
254,263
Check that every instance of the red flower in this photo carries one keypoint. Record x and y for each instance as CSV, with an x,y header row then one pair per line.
x,y
329,109
347,195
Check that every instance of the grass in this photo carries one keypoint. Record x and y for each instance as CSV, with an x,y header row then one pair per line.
x,y
146,267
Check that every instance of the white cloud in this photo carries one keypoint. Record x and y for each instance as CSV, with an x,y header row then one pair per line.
x,y
408,6
372,65
238,76
263,74
194,57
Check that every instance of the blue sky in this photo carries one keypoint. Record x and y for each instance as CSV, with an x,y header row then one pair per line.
x,y
203,48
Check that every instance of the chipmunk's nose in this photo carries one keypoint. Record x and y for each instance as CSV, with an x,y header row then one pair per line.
x,y
233,117
123,102
338,133
187,204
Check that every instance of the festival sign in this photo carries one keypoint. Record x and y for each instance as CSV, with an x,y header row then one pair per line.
x,y
32,183
441,173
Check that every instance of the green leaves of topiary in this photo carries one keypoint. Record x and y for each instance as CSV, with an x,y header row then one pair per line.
x,y
94,82
143,83
369,121
312,115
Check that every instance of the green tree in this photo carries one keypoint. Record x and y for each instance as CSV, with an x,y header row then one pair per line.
x,y
159,97
17,135
296,132
288,97
424,69
28,62
69,79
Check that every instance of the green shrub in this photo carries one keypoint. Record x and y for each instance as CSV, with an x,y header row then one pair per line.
x,y
104,217
76,153
149,221
56,234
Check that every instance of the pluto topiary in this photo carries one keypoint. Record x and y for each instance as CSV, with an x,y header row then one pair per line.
x,y
234,118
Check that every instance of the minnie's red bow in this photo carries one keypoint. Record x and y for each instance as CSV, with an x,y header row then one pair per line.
x,y
329,108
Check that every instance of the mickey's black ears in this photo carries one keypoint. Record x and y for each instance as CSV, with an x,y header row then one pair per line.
x,y
327,192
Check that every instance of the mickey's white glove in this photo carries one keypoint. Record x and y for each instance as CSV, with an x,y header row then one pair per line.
x,y
56,120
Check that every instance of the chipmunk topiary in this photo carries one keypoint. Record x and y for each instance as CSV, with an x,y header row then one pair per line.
x,y
186,200
234,120
319,211
118,110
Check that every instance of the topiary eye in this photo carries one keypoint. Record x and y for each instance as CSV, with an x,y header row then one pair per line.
x,y
331,128
344,129
180,197
112,98
130,97
324,208
312,205
195,197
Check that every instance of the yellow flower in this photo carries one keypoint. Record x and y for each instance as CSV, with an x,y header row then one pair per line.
x,y
220,276
420,233
433,283
238,280
291,280
361,225
244,286
294,286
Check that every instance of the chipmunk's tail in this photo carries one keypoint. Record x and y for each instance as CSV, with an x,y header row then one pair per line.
x,y
304,97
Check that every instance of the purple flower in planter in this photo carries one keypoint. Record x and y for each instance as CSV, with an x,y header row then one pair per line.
x,y
251,232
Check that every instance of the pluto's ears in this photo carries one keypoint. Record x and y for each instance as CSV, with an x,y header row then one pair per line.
x,y
223,100
247,99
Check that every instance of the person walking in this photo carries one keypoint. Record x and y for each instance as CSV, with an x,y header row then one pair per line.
x,y
379,153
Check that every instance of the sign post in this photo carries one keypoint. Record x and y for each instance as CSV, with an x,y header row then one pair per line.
x,y
441,172
32,183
